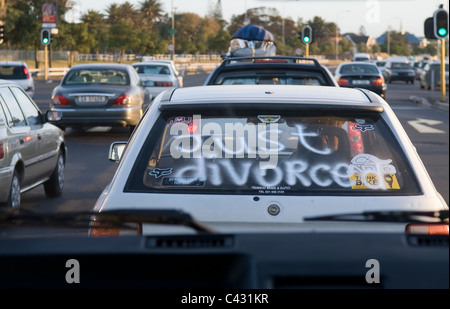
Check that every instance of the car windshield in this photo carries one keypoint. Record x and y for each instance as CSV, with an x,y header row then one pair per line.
x,y
152,69
359,69
281,154
96,76
13,72
400,65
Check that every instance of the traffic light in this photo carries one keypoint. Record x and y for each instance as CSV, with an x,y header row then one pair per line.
x,y
2,32
440,19
45,36
307,34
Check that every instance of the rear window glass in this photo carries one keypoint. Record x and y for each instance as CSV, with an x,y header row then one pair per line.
x,y
272,81
96,76
400,65
152,69
266,153
358,69
13,72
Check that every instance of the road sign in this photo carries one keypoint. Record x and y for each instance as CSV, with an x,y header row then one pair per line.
x,y
172,31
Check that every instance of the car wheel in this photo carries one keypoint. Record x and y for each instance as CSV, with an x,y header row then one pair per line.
x,y
54,186
14,193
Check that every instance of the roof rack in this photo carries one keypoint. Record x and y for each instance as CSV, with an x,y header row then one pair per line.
x,y
271,59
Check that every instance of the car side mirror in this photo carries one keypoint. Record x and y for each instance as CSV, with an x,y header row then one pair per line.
x,y
53,116
116,150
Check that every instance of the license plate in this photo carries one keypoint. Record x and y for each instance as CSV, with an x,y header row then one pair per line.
x,y
91,99
361,82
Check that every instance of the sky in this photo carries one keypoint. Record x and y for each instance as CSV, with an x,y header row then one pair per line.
x,y
376,16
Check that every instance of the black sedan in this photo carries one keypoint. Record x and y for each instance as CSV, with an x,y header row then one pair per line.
x,y
399,70
100,95
361,75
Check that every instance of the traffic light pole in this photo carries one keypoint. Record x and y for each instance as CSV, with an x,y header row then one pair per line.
x,y
46,62
443,86
307,50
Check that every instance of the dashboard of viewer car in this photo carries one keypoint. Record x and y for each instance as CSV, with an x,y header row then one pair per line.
x,y
238,261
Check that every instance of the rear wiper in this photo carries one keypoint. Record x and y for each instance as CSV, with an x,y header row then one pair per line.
x,y
115,219
388,216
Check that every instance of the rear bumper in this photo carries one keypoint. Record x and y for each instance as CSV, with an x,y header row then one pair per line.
x,y
5,180
112,116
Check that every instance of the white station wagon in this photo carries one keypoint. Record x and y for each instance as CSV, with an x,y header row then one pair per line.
x,y
264,158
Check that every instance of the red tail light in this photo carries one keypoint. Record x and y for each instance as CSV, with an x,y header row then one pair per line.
x,y
123,99
163,84
378,82
429,229
2,152
27,74
343,82
59,99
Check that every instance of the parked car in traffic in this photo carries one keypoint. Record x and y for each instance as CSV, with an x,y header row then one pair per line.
x,y
362,75
18,72
362,57
430,75
272,70
264,158
100,94
399,71
32,150
158,75
381,65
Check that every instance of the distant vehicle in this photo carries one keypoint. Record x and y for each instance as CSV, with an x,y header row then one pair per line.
x,y
381,65
158,75
275,70
359,74
399,71
432,73
32,150
362,57
18,73
100,94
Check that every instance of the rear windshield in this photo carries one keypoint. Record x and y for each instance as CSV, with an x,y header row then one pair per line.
x,y
13,72
96,76
400,65
315,81
267,153
152,69
359,69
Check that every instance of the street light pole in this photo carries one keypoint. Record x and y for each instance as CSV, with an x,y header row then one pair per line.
x,y
173,34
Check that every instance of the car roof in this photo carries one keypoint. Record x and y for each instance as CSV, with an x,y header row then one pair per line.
x,y
286,96
101,65
8,63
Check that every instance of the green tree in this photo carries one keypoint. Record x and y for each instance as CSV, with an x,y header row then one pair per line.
x,y
97,28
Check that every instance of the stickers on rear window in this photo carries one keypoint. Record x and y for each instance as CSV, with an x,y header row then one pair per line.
x,y
159,172
269,118
369,172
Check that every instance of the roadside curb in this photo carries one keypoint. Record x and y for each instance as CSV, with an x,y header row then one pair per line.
x,y
425,102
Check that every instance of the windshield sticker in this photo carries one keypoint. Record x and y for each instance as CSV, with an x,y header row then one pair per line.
x,y
185,120
269,118
159,172
184,181
369,172
363,128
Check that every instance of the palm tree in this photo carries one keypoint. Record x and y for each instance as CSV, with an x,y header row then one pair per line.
x,y
151,11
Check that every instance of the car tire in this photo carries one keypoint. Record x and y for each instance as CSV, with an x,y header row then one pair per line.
x,y
54,186
13,201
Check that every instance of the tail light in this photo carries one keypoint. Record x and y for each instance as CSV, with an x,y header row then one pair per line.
x,y
378,82
59,99
123,99
2,151
27,74
428,229
163,84
343,82
103,229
